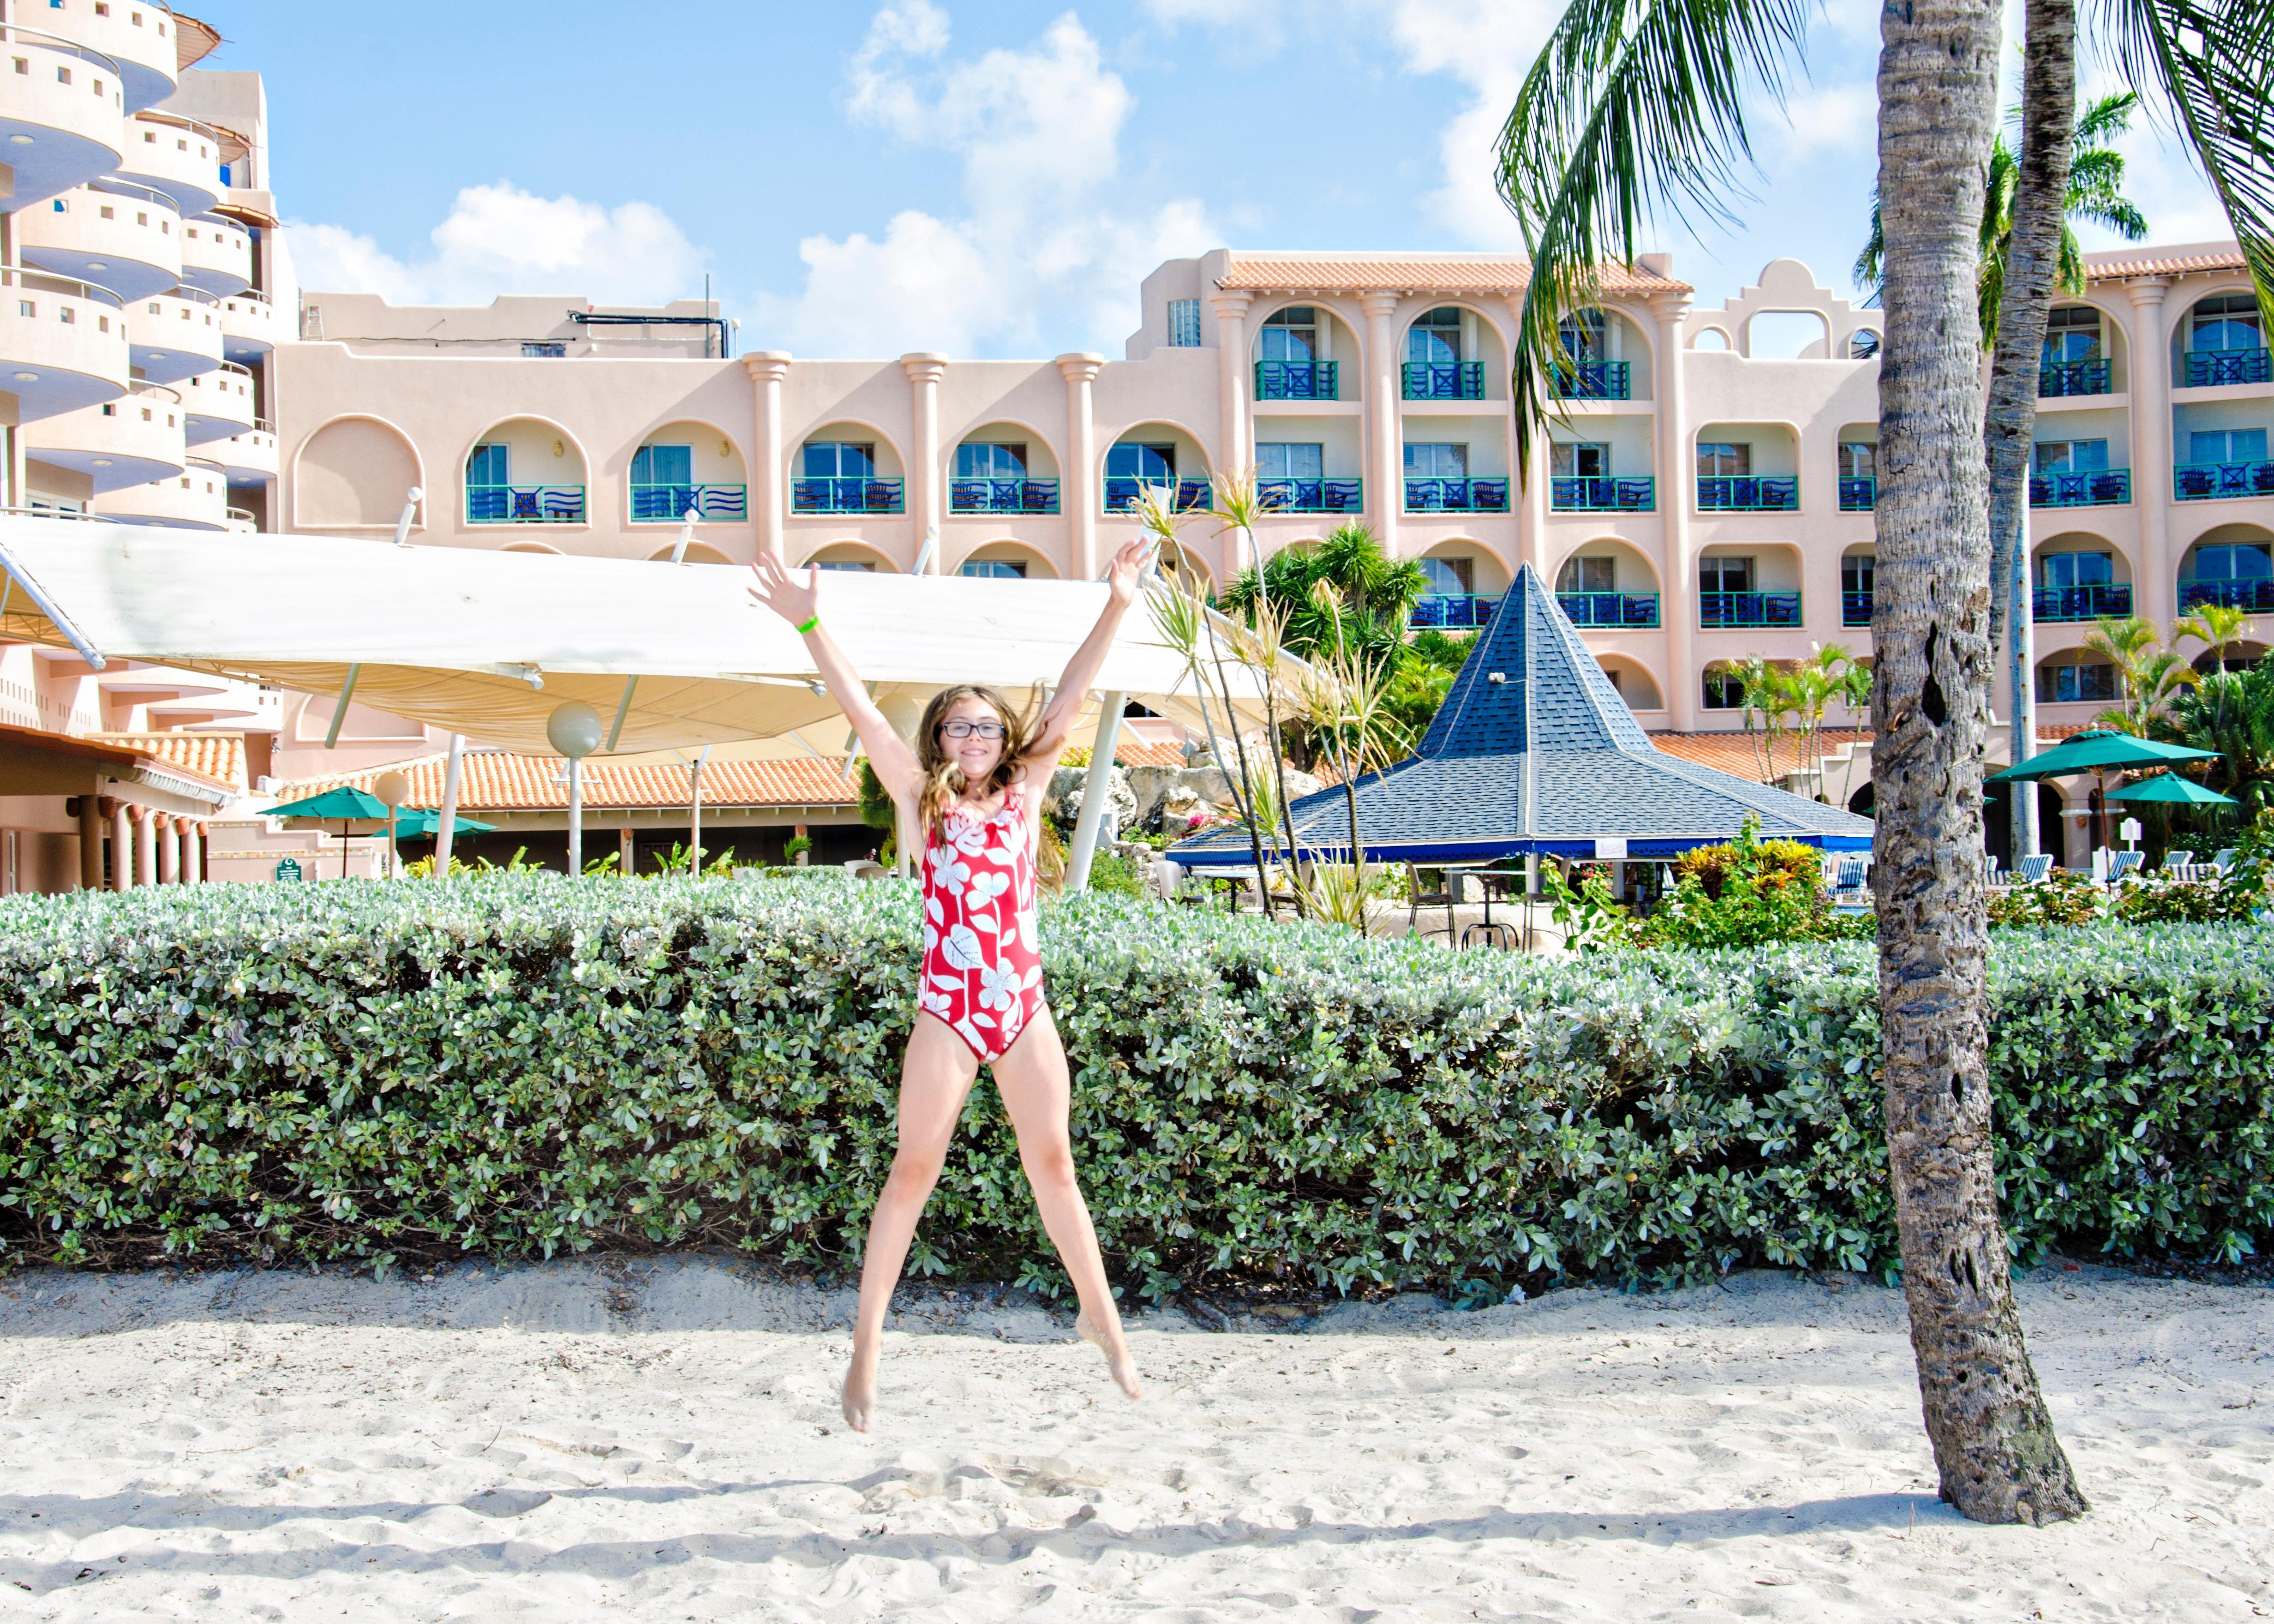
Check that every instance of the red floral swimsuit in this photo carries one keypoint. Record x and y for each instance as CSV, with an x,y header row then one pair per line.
x,y
983,967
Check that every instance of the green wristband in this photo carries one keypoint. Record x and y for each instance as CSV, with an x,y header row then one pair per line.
x,y
809,625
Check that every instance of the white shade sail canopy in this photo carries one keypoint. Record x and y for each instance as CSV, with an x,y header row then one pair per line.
x,y
488,643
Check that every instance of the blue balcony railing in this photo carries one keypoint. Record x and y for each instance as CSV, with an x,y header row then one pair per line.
x,y
1856,608
2209,368
1858,493
2062,378
1003,495
1456,496
1193,495
2090,602
1747,493
1589,493
1590,381
1719,609
1444,380
1295,380
2255,595
2201,482
1452,613
847,493
1311,495
2084,487
658,504
1605,610
524,504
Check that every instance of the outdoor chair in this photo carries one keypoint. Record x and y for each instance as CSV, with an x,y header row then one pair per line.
x,y
2179,863
1851,883
1420,899
2122,866
2225,861
2034,868
1989,871
1494,934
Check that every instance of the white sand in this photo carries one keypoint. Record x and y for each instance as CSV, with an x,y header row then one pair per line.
x,y
662,1443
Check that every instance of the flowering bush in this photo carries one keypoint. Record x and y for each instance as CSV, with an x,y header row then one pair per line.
x,y
524,1064
1750,893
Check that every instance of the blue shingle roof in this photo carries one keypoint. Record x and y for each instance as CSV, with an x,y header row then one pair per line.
x,y
1534,750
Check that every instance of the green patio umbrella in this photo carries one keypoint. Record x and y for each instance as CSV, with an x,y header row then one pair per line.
x,y
343,806
418,823
2098,749
2170,786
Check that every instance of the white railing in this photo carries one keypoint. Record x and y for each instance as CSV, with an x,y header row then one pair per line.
x,y
70,286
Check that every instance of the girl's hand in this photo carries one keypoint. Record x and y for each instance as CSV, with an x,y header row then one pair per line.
x,y
779,589
1127,569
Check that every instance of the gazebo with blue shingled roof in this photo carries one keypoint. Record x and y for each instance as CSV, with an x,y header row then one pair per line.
x,y
1533,753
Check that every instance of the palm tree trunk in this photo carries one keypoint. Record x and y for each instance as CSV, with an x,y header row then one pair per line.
x,y
1993,1440
2032,258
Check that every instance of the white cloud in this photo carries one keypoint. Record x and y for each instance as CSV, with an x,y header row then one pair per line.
x,y
501,239
1046,235
1842,118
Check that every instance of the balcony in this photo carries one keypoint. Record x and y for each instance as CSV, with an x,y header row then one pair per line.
x,y
174,335
1855,609
63,343
2099,600
118,443
2100,487
1444,380
667,504
1590,381
2208,369
2203,482
217,255
1192,495
1311,495
2057,379
1588,494
1002,496
119,236
1451,613
248,326
2254,596
61,117
219,404
1609,610
524,504
1456,496
1747,493
847,493
1859,493
248,458
178,156
1719,610
1296,380
196,500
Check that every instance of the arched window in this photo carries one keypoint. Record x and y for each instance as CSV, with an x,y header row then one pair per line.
x,y
2227,341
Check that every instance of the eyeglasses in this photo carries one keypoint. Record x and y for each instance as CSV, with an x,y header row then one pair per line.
x,y
962,729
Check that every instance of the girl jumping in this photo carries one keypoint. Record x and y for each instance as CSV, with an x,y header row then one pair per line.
x,y
972,784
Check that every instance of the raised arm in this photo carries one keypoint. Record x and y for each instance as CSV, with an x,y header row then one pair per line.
x,y
1058,716
799,602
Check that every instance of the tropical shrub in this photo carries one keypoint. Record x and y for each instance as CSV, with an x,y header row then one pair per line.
x,y
528,1066
1750,893
2062,897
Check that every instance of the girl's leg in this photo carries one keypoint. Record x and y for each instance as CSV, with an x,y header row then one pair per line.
x,y
1036,1090
934,1076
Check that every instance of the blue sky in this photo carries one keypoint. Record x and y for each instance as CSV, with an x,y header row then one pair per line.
x,y
983,179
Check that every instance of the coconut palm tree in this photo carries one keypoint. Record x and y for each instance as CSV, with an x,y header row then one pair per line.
x,y
2232,712
2148,674
1638,106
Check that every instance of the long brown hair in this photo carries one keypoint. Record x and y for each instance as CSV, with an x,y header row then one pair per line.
x,y
943,782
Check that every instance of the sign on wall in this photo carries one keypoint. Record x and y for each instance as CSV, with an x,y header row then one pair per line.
x,y
288,869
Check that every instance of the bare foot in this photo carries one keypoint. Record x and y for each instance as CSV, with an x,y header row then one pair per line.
x,y
1117,1358
861,1389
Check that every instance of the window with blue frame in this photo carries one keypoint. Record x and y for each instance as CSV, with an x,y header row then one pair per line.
x,y
840,459
1720,573
975,460
1185,324
2249,560
1585,337
2072,456
1724,690
490,465
2067,570
2080,682
994,570
1282,460
1289,335
1130,460
2229,321
2227,446
1859,459
1724,459
1436,461
2071,334
1856,571
1434,336
663,465
1588,574
1450,577
1583,459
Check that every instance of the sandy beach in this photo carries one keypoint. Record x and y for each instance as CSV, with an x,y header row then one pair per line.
x,y
661,1441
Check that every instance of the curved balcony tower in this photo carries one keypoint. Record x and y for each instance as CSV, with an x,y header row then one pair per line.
x,y
123,237
59,114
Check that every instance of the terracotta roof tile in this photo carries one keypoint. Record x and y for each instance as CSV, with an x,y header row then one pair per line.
x,y
218,757
1502,274
2187,259
1129,752
498,781
1739,753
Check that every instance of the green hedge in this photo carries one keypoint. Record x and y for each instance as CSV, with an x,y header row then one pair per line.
x,y
527,1065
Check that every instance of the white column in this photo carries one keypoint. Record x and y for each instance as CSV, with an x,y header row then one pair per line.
x,y
2154,590
1233,450
1082,489
122,847
446,829
146,846
1678,610
575,817
771,482
924,372
1385,481
194,853
1096,790
169,841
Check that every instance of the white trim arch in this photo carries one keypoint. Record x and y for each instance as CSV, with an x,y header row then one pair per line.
x,y
418,464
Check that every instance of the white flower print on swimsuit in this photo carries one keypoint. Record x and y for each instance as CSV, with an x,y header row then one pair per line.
x,y
983,973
